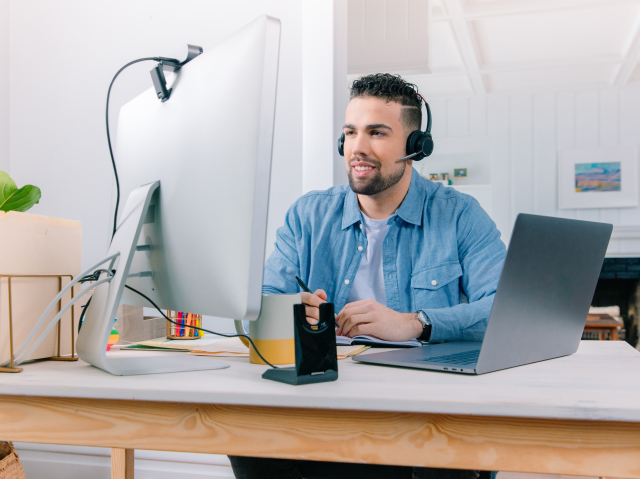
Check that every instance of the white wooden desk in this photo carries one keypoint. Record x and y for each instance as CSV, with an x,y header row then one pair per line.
x,y
575,415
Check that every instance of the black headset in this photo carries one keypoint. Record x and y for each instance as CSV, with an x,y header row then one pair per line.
x,y
419,143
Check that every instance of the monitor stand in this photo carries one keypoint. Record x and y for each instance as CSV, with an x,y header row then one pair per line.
x,y
100,315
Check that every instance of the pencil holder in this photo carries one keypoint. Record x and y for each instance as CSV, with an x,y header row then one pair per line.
x,y
185,327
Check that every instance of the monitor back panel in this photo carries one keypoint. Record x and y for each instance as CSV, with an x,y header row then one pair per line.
x,y
545,290
210,147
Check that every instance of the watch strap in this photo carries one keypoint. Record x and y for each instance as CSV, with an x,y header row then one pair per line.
x,y
426,327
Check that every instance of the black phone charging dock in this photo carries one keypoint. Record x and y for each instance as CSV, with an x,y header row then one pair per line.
x,y
316,353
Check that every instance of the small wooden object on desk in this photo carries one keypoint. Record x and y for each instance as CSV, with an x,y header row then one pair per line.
x,y
58,356
184,329
601,324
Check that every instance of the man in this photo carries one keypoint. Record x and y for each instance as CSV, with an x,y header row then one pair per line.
x,y
400,257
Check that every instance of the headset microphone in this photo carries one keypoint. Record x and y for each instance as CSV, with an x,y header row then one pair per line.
x,y
419,143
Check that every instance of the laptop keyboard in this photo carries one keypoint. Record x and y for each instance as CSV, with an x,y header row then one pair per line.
x,y
464,358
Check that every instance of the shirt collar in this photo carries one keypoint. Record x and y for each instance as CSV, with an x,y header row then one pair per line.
x,y
410,210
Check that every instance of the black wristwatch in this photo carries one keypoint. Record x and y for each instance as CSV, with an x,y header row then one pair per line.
x,y
426,327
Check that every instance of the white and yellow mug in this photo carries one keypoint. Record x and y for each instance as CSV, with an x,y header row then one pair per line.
x,y
272,332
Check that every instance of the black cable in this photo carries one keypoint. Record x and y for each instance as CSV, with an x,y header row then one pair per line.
x,y
113,162
201,329
95,276
84,310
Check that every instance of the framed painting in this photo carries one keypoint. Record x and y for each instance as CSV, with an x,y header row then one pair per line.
x,y
598,178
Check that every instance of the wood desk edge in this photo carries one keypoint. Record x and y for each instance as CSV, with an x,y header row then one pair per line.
x,y
515,410
579,447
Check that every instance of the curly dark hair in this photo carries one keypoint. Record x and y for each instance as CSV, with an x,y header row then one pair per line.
x,y
392,88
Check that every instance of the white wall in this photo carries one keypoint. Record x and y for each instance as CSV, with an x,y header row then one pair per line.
x,y
4,85
325,94
63,56
524,134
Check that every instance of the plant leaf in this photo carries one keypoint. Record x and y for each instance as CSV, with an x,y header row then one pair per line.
x,y
22,199
7,187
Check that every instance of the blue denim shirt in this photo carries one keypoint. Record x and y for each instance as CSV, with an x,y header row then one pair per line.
x,y
442,255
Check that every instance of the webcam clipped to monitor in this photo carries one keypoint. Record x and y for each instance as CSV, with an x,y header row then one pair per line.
x,y
195,173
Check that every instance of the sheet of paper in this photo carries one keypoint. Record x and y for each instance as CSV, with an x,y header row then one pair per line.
x,y
233,347
189,344
230,345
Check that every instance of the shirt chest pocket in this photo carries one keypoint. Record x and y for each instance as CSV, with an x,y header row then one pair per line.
x,y
436,287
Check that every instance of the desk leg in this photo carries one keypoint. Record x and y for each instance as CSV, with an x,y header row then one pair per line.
x,y
121,463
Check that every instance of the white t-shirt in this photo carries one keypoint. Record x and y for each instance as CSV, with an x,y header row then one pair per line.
x,y
369,280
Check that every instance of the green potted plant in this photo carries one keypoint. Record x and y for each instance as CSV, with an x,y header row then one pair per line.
x,y
13,198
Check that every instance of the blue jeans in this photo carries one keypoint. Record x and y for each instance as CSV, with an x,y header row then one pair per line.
x,y
263,468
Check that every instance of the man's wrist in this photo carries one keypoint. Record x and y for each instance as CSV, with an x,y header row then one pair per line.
x,y
416,325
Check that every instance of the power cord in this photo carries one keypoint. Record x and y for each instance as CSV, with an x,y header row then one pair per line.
x,y
201,329
95,276
113,162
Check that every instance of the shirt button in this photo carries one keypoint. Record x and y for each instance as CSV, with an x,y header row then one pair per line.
x,y
360,225
434,282
346,281
360,248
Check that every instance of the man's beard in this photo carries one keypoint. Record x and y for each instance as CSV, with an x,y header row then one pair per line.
x,y
377,183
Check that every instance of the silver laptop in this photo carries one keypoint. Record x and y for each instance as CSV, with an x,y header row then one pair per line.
x,y
541,305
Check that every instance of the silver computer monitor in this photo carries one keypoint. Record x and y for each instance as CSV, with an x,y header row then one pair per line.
x,y
194,180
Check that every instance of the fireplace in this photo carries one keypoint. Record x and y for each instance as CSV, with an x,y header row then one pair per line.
x,y
618,285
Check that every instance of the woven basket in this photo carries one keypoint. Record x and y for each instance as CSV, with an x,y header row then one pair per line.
x,y
10,467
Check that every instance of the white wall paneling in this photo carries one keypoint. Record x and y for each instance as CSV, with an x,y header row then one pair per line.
x,y
545,189
388,35
498,126
525,131
629,135
4,85
521,178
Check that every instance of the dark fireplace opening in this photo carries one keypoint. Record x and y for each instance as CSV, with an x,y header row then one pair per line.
x,y
618,285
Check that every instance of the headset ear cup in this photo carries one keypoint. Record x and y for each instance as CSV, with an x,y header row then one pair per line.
x,y
341,145
414,145
427,144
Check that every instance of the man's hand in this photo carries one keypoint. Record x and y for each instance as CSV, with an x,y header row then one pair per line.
x,y
312,303
370,317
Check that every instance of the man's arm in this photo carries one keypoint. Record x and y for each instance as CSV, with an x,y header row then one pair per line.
x,y
481,253
283,265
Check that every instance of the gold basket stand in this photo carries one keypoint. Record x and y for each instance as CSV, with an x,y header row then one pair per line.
x,y
58,356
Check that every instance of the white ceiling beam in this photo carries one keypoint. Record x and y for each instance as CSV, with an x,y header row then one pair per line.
x,y
550,64
512,7
466,44
423,69
623,74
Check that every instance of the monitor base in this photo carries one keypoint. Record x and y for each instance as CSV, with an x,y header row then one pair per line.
x,y
162,364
